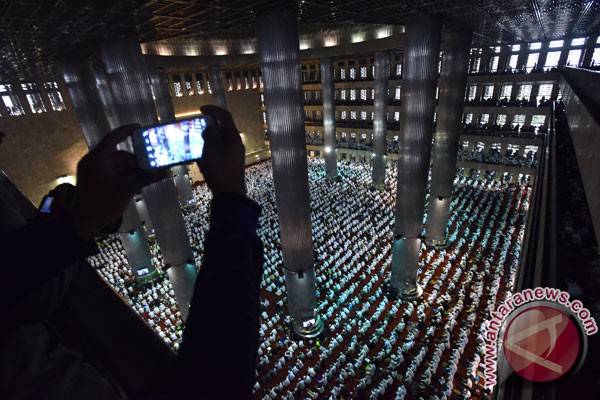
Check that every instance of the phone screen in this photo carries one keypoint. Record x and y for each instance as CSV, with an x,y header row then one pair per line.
x,y
170,144
46,205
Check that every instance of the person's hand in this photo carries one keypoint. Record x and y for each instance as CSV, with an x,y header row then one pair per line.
x,y
222,162
107,179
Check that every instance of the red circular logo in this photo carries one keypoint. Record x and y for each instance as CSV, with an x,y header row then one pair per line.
x,y
541,343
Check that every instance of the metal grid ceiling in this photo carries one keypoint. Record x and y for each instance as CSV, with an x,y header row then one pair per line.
x,y
34,33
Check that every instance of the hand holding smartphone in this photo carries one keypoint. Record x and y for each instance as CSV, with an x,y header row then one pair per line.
x,y
166,145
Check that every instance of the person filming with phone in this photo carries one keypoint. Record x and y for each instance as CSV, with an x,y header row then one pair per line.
x,y
216,362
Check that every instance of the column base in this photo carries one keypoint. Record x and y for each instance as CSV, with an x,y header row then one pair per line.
x,y
377,186
437,244
405,262
302,303
149,277
183,279
309,329
438,214
188,206
411,293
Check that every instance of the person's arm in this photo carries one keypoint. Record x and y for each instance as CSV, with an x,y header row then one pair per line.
x,y
36,253
106,181
218,352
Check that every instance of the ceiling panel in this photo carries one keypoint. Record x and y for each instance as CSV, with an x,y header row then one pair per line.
x,y
35,33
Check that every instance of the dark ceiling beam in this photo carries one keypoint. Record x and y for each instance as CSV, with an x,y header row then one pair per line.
x,y
582,15
492,17
325,6
538,17
41,30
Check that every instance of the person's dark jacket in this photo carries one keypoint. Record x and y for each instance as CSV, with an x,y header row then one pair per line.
x,y
218,353
220,341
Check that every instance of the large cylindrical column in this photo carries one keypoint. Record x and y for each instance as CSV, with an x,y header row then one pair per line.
x,y
84,87
421,56
183,183
172,238
113,119
328,97
166,112
280,64
81,85
503,57
445,145
106,97
135,242
380,106
130,85
486,57
142,209
168,224
216,85
162,97
588,53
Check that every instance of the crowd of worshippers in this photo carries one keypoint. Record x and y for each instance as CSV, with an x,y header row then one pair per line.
x,y
509,102
365,144
153,301
506,130
370,349
393,145
482,129
495,156
356,143
373,345
314,138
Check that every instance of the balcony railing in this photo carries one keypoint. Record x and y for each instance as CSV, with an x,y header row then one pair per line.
x,y
506,102
525,132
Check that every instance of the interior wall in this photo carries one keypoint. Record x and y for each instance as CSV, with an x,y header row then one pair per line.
x,y
245,107
585,132
39,148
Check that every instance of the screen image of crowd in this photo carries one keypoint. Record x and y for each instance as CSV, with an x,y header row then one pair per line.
x,y
374,346
175,143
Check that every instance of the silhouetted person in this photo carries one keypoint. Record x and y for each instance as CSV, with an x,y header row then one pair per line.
x,y
218,354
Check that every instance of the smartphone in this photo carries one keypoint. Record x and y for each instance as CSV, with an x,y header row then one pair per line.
x,y
46,206
166,145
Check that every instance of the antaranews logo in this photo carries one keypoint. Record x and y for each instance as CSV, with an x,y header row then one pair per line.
x,y
541,334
